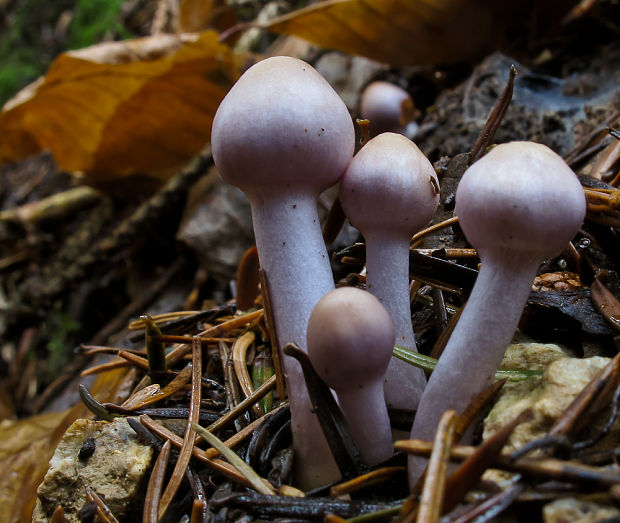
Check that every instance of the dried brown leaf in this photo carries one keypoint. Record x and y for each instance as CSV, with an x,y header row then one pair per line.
x,y
119,108
408,32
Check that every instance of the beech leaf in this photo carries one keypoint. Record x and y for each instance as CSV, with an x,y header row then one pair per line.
x,y
142,106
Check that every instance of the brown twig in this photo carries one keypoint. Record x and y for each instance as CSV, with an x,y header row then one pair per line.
x,y
365,480
216,464
273,336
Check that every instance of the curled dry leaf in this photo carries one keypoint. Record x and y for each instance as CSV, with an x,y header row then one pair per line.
x,y
119,108
406,32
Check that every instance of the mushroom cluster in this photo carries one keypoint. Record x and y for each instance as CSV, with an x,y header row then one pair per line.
x,y
283,135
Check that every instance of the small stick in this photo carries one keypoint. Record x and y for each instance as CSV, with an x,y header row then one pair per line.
x,y
275,343
567,422
215,464
259,484
103,511
238,437
230,383
485,138
198,511
546,468
58,516
365,480
177,353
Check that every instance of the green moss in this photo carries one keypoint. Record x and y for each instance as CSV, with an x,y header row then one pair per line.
x,y
32,38
94,20
60,327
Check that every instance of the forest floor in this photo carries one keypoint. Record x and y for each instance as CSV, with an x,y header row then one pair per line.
x,y
75,277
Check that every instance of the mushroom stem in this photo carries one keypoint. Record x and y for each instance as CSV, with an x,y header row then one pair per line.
x,y
293,258
375,445
388,279
487,322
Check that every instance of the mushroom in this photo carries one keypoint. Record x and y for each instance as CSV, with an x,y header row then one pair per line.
x,y
283,135
390,191
389,108
517,205
350,341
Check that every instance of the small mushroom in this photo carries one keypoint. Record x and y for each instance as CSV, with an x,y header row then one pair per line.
x,y
389,193
517,205
350,340
283,135
389,108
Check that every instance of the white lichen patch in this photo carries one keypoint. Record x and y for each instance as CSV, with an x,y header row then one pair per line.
x,y
112,463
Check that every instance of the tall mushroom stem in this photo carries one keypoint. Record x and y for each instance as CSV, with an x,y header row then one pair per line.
x,y
293,257
387,266
487,322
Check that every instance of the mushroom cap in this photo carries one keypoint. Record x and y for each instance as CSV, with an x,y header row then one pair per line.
x,y
350,338
389,186
282,123
521,196
387,106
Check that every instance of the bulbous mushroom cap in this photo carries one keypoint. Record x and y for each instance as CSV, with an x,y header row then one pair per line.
x,y
282,123
388,107
389,186
522,196
350,338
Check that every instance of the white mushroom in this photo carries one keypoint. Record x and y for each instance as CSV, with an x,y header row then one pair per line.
x,y
350,341
389,192
517,205
283,135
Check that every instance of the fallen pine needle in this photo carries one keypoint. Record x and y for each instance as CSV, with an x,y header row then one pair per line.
x,y
259,484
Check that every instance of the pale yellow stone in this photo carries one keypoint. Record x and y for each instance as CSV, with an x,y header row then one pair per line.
x,y
115,469
547,396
